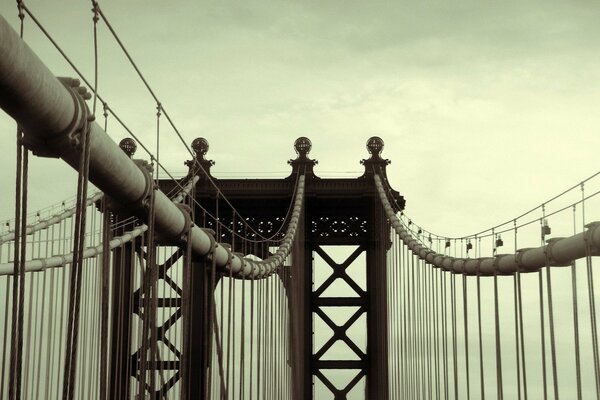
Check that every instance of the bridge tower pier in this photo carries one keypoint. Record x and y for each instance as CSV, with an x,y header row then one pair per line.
x,y
336,212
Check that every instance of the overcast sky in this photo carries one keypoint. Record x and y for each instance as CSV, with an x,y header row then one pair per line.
x,y
481,106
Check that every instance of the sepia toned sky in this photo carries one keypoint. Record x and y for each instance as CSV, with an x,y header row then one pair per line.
x,y
473,100
486,108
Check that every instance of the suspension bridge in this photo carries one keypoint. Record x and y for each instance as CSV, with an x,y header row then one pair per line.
x,y
151,286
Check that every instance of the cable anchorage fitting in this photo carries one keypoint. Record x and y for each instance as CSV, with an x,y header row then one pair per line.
x,y
181,238
141,205
550,259
590,231
72,134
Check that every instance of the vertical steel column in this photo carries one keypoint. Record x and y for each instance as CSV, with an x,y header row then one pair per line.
x,y
377,324
197,335
299,324
122,313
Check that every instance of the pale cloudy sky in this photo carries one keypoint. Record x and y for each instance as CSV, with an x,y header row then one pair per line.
x,y
482,106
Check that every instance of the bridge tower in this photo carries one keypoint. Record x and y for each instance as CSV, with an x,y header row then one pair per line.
x,y
337,212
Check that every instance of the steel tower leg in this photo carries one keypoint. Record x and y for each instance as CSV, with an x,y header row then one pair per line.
x,y
122,312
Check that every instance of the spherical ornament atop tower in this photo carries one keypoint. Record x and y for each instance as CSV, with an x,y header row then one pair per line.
x,y
302,146
128,146
375,146
200,147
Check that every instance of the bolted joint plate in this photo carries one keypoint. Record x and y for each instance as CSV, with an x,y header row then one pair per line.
x,y
72,134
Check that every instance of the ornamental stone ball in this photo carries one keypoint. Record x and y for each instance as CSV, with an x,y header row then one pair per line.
x,y
302,146
200,146
375,146
128,146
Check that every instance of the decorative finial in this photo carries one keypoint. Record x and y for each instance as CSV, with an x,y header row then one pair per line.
x,y
200,147
302,146
375,162
375,146
128,146
302,162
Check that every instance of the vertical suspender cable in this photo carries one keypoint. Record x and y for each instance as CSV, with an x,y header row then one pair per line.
x,y
76,274
499,384
542,333
481,373
576,314
466,332
436,296
551,323
592,300
19,275
445,332
454,339
250,363
516,312
521,330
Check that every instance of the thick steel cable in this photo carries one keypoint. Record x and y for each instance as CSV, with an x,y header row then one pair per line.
x,y
495,227
47,222
159,105
112,112
563,250
65,258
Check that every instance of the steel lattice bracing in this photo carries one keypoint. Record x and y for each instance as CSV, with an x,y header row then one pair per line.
x,y
336,212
